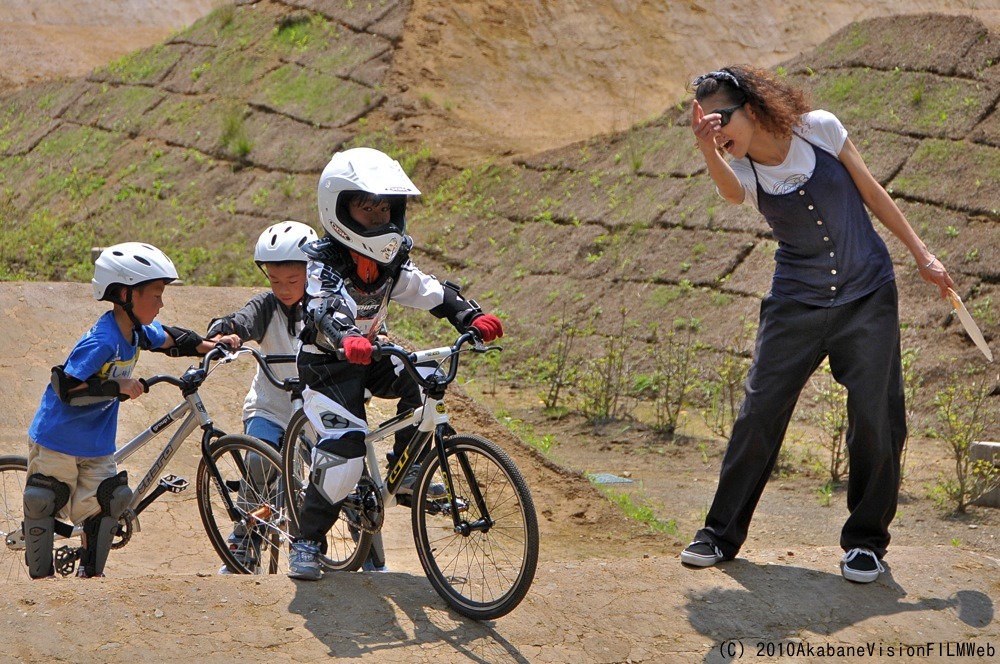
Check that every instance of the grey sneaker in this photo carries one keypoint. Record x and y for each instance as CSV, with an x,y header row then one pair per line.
x,y
303,561
701,554
245,548
861,566
434,491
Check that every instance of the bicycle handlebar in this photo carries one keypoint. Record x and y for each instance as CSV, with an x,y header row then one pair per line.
x,y
221,354
411,359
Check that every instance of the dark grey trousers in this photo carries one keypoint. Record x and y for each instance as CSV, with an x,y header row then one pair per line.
x,y
861,338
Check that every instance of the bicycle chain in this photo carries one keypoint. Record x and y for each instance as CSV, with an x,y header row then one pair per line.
x,y
125,529
366,488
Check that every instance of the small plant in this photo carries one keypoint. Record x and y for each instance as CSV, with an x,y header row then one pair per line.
x,y
198,71
604,382
964,414
825,494
912,383
831,420
642,512
559,369
675,376
234,134
724,388
526,432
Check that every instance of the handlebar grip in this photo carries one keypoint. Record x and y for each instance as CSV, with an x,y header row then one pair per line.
x,y
145,390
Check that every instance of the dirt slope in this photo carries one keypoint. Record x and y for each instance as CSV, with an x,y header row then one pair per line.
x,y
523,77
41,40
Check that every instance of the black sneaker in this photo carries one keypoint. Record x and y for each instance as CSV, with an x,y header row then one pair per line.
x,y
860,566
434,492
701,554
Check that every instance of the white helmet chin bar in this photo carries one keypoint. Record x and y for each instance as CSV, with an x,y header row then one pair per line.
x,y
374,172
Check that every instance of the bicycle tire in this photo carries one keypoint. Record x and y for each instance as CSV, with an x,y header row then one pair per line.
x,y
482,575
13,475
250,471
347,545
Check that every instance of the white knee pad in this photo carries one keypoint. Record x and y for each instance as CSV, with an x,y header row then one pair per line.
x,y
330,418
333,475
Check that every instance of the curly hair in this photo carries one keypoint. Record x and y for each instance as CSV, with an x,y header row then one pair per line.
x,y
778,106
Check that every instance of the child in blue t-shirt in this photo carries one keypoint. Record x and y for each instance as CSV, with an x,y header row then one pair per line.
x,y
71,465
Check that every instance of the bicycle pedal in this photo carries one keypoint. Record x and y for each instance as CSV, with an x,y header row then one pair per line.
x,y
173,483
442,506
64,561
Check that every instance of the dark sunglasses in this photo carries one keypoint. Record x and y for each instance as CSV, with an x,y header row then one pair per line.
x,y
726,114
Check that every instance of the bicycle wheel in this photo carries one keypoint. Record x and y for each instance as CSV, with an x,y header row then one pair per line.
x,y
257,541
484,568
347,543
13,475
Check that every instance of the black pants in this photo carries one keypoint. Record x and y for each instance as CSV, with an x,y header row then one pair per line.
x,y
861,338
346,383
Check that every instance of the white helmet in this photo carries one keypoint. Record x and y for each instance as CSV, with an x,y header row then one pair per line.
x,y
283,242
130,264
374,172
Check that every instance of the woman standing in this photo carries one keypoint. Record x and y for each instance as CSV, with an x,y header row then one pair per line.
x,y
833,295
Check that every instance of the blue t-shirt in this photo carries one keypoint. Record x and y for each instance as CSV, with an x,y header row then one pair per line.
x,y
91,431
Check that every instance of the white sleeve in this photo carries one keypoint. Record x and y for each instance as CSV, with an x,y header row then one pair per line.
x,y
417,290
825,130
743,171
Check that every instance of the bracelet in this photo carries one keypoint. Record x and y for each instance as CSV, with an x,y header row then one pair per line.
x,y
931,262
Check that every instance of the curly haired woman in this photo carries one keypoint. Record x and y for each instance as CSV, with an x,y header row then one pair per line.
x,y
833,295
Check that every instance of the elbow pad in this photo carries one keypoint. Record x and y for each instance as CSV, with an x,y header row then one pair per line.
x,y
186,343
96,392
331,326
459,311
220,326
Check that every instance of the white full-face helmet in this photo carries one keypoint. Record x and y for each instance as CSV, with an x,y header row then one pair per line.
x,y
283,242
375,173
129,264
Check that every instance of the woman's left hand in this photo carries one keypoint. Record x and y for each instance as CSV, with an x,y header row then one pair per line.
x,y
934,272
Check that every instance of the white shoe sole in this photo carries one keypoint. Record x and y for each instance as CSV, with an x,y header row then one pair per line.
x,y
306,575
695,560
858,576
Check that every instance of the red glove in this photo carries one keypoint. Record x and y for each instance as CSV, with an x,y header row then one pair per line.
x,y
489,327
357,350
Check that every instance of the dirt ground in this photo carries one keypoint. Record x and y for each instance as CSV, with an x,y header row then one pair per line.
x,y
606,590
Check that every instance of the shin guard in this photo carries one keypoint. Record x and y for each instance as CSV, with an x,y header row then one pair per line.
x,y
44,496
114,496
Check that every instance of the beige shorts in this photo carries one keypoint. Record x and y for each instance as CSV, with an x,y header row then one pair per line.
x,y
82,474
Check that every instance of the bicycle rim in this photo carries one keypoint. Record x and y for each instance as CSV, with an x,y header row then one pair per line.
x,y
13,475
347,545
256,542
482,573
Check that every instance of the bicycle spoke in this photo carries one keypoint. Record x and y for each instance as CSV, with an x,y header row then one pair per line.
x,y
256,541
486,568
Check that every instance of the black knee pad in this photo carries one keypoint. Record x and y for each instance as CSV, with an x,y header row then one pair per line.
x,y
44,496
114,496
48,496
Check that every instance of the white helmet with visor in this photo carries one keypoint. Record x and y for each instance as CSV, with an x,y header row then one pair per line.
x,y
379,179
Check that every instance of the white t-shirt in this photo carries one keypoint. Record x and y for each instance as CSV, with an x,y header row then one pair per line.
x,y
822,129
